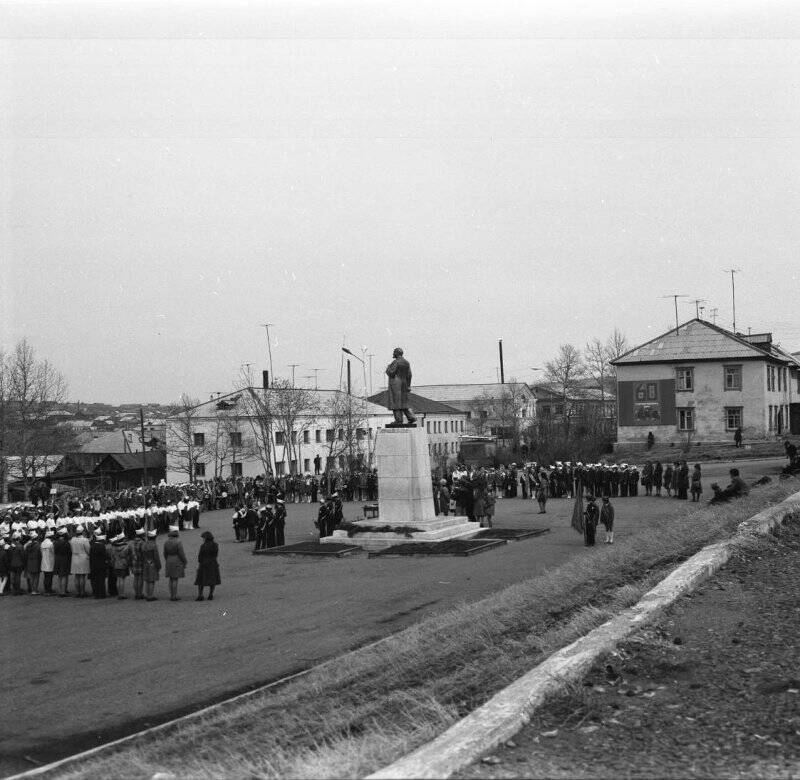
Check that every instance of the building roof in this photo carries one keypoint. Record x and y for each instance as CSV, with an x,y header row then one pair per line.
x,y
465,392
418,403
126,462
323,398
113,442
701,340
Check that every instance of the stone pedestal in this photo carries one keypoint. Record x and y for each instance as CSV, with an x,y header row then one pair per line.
x,y
405,496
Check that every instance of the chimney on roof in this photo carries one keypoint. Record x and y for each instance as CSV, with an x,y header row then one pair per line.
x,y
265,379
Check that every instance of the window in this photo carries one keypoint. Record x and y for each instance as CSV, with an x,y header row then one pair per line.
x,y
236,469
199,469
779,372
341,436
279,437
341,461
428,426
370,433
236,439
306,437
484,414
329,435
544,410
294,437
559,410
199,440
733,378
686,419
733,418
684,378
318,436
462,426
293,467
360,434
469,415
280,468
306,465
770,377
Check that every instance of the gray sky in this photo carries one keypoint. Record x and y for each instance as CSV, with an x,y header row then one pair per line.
x,y
172,175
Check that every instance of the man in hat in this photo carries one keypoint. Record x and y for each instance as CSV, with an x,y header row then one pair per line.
x,y
136,563
98,565
280,522
591,516
399,373
48,561
607,519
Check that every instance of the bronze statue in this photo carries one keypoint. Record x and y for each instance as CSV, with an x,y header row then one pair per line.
x,y
399,373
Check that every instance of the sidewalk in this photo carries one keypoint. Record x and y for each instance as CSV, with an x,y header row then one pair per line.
x,y
711,690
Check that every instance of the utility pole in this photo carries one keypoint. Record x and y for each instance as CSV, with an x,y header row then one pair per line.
x,y
293,366
714,315
502,374
675,299
371,355
316,377
266,326
733,271
247,366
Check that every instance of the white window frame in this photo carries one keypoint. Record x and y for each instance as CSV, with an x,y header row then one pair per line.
x,y
681,373
683,412
728,411
736,371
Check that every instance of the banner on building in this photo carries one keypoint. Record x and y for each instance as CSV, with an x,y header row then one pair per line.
x,y
646,402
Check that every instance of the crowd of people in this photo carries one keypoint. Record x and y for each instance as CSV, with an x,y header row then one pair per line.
x,y
104,538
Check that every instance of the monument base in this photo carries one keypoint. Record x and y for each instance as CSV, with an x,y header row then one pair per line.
x,y
438,530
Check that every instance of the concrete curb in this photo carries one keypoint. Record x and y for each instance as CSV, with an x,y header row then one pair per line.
x,y
509,710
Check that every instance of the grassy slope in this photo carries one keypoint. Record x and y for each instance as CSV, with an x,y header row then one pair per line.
x,y
359,712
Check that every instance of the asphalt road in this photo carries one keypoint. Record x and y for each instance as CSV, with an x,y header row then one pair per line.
x,y
76,673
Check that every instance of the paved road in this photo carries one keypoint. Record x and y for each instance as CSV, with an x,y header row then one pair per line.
x,y
76,673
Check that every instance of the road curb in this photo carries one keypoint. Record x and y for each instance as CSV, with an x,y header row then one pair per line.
x,y
509,710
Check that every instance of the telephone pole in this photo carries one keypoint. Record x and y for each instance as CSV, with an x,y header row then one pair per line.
x,y
697,307
293,366
266,326
675,299
733,271
714,315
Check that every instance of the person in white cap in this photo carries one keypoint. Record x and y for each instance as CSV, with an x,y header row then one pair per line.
x,y
137,563
79,563
33,563
121,560
98,564
48,561
63,558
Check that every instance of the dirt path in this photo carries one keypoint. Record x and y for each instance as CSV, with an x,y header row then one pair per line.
x,y
712,690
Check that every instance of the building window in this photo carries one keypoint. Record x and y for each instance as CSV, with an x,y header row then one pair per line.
x,y
445,426
686,419
306,465
370,433
733,418
462,426
329,435
484,414
280,468
318,436
341,461
199,469
770,377
306,437
341,435
544,411
199,440
559,410
236,439
236,469
360,434
469,415
279,437
684,378
428,426
293,467
733,377
294,437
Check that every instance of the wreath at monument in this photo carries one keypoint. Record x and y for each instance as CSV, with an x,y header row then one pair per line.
x,y
353,529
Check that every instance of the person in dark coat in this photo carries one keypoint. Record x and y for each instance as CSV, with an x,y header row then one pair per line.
x,y
174,561
98,566
607,519
63,559
33,564
280,522
697,483
591,516
207,566
16,563
669,473
658,476
151,564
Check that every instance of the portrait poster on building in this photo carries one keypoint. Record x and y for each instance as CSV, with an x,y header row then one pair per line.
x,y
646,405
646,402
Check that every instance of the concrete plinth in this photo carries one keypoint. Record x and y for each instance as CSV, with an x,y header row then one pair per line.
x,y
405,496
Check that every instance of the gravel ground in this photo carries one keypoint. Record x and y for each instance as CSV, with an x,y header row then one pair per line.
x,y
712,690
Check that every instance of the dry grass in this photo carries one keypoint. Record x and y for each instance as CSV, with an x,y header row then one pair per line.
x,y
361,711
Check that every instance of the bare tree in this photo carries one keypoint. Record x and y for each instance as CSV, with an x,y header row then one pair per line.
x,y
595,356
564,374
507,408
257,404
346,414
616,346
30,391
481,409
184,449
295,411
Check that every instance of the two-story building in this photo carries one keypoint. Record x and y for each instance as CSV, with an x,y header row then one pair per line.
x,y
256,431
700,382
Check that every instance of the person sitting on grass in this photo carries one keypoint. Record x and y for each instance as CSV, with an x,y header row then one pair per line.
x,y
736,489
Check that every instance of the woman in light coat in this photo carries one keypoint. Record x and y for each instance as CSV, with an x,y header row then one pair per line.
x,y
174,561
79,564
48,562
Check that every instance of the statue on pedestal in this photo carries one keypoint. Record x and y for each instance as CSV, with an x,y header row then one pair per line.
x,y
399,373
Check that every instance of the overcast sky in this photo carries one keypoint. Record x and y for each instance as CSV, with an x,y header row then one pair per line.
x,y
434,176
